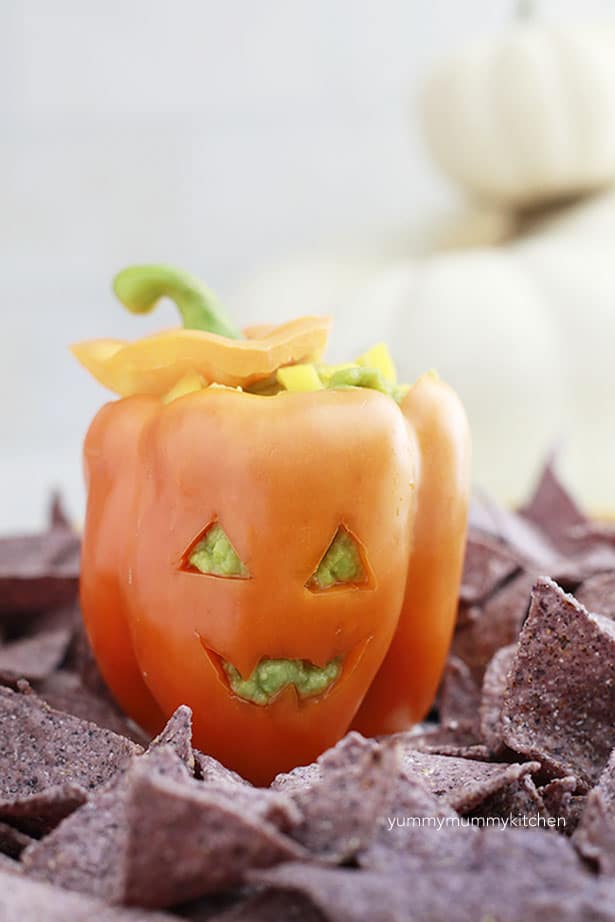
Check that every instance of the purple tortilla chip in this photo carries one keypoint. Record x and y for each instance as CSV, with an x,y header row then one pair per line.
x,y
462,783
177,734
344,754
64,691
341,809
37,813
560,699
413,827
525,539
476,751
497,625
41,748
597,594
492,699
429,737
520,800
40,571
85,852
552,508
270,906
24,900
488,563
80,659
557,797
595,836
158,836
591,552
466,614
459,696
37,656
58,517
506,876
185,841
12,841
209,770
11,865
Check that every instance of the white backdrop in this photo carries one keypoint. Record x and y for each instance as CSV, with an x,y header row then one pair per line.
x,y
222,136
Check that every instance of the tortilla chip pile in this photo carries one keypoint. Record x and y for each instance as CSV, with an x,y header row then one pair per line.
x,y
500,808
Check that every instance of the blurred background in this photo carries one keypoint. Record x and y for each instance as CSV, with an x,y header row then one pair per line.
x,y
352,157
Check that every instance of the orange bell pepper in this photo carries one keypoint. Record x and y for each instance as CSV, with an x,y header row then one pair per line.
x,y
284,564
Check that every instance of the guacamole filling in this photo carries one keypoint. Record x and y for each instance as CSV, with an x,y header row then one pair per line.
x,y
341,563
360,376
215,554
272,675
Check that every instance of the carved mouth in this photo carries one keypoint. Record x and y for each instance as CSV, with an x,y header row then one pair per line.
x,y
271,676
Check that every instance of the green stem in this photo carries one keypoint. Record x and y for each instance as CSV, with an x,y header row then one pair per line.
x,y
139,288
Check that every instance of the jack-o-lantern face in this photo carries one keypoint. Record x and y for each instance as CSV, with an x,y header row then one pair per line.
x,y
342,566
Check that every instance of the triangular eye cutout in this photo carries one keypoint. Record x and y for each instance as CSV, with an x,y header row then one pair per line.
x,y
214,555
341,564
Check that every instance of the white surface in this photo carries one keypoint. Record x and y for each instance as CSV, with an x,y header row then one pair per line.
x,y
221,136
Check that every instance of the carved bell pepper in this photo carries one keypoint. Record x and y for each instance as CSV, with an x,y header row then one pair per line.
x,y
280,549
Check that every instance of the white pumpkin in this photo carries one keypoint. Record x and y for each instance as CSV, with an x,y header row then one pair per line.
x,y
528,117
525,332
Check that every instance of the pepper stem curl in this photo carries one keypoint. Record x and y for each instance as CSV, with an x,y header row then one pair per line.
x,y
139,288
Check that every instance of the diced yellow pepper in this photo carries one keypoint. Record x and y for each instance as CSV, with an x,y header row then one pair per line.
x,y
299,378
186,385
379,357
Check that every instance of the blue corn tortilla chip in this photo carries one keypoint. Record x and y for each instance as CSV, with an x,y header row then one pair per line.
x,y
459,695
23,900
558,798
512,875
597,594
85,852
40,747
497,624
432,737
39,572
35,814
341,808
549,534
495,683
462,783
64,691
351,748
270,906
521,800
208,769
595,835
488,563
185,841
41,651
50,760
157,836
177,734
412,828
552,508
12,840
560,697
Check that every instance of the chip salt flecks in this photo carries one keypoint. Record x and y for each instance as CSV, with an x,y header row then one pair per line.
x,y
559,704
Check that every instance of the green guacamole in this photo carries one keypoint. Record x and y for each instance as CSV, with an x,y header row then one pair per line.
x,y
271,675
341,563
371,378
216,555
